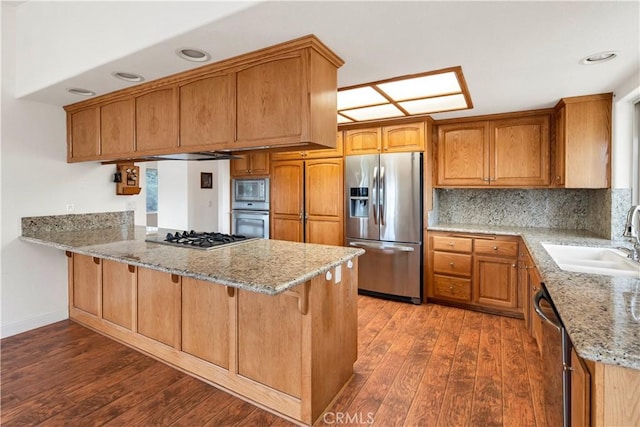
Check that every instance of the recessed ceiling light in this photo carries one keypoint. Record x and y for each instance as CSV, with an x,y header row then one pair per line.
x,y
598,58
81,92
129,77
193,54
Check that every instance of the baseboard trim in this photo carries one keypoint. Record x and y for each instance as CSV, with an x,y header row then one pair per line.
x,y
33,323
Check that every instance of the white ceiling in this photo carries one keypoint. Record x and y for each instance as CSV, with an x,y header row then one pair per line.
x,y
514,55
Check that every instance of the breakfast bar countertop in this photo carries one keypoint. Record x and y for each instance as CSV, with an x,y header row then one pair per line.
x,y
601,313
265,266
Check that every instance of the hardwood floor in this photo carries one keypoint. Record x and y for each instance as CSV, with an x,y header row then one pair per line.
x,y
426,365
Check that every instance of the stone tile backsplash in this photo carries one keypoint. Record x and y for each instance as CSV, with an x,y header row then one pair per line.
x,y
602,212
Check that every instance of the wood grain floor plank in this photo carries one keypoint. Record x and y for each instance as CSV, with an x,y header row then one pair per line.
x,y
536,376
517,405
53,400
427,402
456,405
486,409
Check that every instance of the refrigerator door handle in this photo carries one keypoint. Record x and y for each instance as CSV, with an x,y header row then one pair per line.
x,y
383,247
374,195
383,190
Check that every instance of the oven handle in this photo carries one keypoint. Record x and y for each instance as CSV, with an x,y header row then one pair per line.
x,y
262,213
536,307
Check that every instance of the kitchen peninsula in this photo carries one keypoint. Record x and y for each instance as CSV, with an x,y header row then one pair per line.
x,y
273,322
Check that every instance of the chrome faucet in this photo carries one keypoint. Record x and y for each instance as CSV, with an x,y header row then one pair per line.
x,y
632,229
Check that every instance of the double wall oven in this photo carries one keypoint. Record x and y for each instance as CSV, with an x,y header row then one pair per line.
x,y
250,207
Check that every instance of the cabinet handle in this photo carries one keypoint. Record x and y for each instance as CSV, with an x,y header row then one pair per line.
x,y
451,263
452,244
96,260
485,179
513,265
558,177
451,288
495,248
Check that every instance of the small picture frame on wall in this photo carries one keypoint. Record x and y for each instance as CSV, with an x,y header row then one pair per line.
x,y
206,180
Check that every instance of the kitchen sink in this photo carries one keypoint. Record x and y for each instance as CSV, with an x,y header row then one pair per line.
x,y
593,260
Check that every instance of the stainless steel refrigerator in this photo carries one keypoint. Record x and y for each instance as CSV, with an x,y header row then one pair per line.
x,y
384,217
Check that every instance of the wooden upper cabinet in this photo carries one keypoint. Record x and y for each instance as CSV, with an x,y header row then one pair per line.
x,y
463,154
313,154
362,141
583,142
283,95
268,94
509,152
206,112
117,128
250,165
405,137
83,134
157,121
520,151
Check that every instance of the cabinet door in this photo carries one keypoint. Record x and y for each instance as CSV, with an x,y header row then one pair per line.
x,y
287,200
205,321
324,201
116,128
270,98
87,284
495,282
259,163
206,108
463,154
580,392
406,137
520,152
587,142
362,141
157,121
241,166
118,293
559,155
83,134
159,306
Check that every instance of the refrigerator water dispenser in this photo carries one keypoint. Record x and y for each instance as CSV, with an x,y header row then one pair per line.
x,y
359,202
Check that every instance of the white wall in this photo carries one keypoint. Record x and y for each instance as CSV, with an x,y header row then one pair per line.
x,y
36,180
622,133
183,205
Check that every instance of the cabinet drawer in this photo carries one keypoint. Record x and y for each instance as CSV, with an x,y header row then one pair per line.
x,y
497,247
452,288
451,263
453,244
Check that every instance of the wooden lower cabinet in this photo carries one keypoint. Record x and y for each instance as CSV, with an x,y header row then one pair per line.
x,y
475,271
603,394
85,287
291,353
159,306
118,293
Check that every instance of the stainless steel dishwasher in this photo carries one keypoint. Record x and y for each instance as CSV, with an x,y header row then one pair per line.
x,y
556,356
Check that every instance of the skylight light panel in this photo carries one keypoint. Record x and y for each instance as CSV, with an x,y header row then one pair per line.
x,y
422,87
359,97
374,113
433,105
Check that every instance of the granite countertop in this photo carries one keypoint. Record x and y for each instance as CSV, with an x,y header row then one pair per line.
x,y
265,266
601,313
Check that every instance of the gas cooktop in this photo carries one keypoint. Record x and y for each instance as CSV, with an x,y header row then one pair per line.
x,y
198,240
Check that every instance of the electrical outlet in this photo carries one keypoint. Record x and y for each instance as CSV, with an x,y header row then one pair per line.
x,y
210,204
131,206
70,207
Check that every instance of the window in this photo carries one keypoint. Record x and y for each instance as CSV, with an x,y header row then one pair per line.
x,y
635,185
152,197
